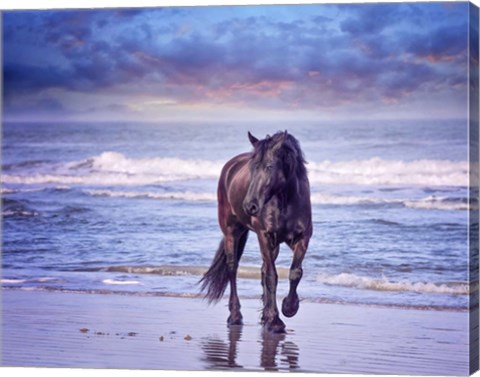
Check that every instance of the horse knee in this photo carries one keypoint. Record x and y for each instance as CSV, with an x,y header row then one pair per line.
x,y
270,274
296,274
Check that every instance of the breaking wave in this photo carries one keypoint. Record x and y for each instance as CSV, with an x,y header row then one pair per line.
x,y
430,202
113,168
383,284
243,272
191,196
376,171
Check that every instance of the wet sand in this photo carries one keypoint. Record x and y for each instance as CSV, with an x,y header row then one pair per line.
x,y
53,329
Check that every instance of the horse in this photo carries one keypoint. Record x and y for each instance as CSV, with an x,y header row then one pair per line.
x,y
265,191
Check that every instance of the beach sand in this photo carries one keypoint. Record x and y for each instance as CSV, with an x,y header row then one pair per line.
x,y
54,329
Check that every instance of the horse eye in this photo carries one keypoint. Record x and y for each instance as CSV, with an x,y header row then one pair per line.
x,y
269,167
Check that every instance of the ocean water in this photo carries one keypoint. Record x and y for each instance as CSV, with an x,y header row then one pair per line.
x,y
130,208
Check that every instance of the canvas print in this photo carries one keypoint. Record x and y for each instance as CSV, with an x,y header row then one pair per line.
x,y
248,188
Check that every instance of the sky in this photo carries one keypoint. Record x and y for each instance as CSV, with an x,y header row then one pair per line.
x,y
302,62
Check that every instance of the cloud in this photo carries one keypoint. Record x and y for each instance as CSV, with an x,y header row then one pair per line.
x,y
373,19
318,57
36,109
441,44
20,78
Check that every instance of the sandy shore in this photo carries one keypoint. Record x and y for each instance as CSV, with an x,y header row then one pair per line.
x,y
114,331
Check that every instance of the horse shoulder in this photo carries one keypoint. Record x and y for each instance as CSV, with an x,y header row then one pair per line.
x,y
229,171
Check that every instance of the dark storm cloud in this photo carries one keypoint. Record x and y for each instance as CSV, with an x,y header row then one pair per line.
x,y
442,43
347,53
374,18
23,77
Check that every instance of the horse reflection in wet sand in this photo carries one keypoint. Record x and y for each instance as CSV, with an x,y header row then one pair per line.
x,y
276,353
265,191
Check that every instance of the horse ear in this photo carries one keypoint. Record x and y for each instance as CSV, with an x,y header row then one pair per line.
x,y
285,135
252,139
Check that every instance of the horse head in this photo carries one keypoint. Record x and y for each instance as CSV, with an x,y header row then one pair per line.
x,y
272,166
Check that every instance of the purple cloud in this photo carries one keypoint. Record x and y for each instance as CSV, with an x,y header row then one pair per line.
x,y
317,57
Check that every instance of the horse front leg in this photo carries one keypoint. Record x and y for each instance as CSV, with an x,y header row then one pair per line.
x,y
270,317
291,303
234,245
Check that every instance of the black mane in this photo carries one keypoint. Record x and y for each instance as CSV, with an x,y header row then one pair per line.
x,y
281,144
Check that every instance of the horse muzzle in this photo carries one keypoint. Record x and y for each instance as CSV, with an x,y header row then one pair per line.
x,y
251,208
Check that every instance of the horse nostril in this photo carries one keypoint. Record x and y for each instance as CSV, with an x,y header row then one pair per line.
x,y
251,208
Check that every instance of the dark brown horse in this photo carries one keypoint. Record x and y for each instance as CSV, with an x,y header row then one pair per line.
x,y
265,191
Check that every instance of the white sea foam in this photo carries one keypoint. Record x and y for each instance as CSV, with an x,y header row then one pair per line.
x,y
32,280
442,203
5,190
376,171
46,280
173,167
244,272
430,202
18,213
96,179
113,168
12,281
383,284
191,196
120,282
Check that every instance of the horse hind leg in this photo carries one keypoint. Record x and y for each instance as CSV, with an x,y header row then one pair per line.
x,y
291,303
234,249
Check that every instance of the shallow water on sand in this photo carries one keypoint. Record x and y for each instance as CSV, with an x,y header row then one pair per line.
x,y
114,331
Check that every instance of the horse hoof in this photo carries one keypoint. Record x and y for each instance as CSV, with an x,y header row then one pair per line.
x,y
290,307
276,326
234,321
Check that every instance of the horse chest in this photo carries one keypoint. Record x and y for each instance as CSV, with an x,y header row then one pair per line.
x,y
278,225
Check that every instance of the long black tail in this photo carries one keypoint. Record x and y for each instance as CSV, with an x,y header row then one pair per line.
x,y
215,280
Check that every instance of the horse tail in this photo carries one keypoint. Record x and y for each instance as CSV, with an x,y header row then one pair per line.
x,y
215,280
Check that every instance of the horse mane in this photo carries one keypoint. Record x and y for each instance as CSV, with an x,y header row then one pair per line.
x,y
283,143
